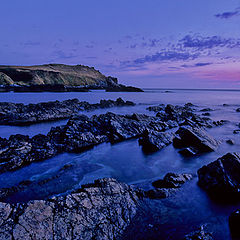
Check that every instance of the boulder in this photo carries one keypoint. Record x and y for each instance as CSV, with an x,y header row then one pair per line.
x,y
152,141
101,210
196,138
222,176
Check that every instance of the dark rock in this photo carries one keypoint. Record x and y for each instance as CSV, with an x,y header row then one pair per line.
x,y
153,141
158,108
220,123
230,142
97,211
226,105
188,152
19,114
238,110
167,186
237,131
206,110
206,114
172,180
234,224
196,138
222,176
200,234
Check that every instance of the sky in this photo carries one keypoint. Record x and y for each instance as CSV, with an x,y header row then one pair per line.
x,y
154,43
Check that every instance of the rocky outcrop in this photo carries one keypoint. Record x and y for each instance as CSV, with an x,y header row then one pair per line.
x,y
222,176
101,210
64,77
5,79
20,114
79,134
152,141
195,138
169,184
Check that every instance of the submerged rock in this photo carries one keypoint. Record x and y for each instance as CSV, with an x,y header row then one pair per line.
x,y
222,177
196,138
101,210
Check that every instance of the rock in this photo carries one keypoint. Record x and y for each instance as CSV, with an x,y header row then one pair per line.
x,y
153,141
188,152
158,108
167,186
19,114
206,114
234,224
236,131
196,138
222,177
238,110
206,110
101,210
172,180
220,123
230,142
200,234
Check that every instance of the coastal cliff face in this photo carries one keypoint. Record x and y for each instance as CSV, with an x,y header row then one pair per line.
x,y
57,74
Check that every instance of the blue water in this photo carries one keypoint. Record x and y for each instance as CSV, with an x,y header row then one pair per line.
x,y
126,161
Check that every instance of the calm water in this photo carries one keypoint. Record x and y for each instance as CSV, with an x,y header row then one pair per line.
x,y
167,219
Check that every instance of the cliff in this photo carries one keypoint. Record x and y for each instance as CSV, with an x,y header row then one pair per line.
x,y
60,75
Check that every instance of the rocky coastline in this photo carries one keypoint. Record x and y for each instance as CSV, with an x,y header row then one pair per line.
x,y
105,208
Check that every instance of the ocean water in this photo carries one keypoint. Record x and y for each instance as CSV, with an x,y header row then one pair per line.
x,y
166,219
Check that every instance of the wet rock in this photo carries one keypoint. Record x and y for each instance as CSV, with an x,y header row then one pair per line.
x,y
19,114
234,224
237,131
196,138
163,188
200,234
222,177
152,141
188,152
101,210
238,110
172,180
220,123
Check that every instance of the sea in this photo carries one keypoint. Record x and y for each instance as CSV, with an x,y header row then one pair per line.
x,y
171,218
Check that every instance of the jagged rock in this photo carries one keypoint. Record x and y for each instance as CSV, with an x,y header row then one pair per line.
x,y
152,141
200,234
234,224
222,176
220,123
101,210
196,138
19,114
237,131
238,110
206,114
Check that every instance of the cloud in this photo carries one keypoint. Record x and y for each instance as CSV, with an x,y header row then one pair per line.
x,y
166,55
200,64
227,15
202,43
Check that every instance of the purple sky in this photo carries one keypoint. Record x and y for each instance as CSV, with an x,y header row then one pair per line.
x,y
169,44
